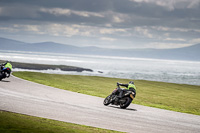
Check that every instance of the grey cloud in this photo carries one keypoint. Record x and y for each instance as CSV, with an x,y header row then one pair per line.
x,y
18,12
115,14
139,13
81,5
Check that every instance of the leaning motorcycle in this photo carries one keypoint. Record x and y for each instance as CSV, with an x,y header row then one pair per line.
x,y
5,73
124,102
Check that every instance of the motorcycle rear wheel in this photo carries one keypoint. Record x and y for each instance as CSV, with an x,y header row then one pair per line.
x,y
126,103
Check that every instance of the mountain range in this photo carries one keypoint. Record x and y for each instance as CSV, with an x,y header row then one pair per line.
x,y
186,53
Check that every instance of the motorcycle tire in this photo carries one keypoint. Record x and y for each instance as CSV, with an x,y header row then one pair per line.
x,y
107,100
1,76
126,103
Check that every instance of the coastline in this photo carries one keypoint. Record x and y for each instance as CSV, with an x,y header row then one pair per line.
x,y
179,77
33,66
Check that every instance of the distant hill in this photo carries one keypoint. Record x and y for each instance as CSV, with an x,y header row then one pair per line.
x,y
186,53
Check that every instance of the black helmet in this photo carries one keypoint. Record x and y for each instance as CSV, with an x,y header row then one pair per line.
x,y
131,82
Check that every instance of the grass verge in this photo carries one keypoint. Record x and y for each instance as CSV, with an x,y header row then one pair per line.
x,y
170,96
18,123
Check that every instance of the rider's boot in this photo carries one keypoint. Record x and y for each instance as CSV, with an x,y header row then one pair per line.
x,y
119,96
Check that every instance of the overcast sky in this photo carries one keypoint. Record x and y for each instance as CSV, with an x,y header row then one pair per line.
x,y
103,23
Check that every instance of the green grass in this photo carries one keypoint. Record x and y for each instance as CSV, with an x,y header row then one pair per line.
x,y
176,97
18,123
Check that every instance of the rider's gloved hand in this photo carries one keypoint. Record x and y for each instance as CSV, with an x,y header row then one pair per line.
x,y
118,83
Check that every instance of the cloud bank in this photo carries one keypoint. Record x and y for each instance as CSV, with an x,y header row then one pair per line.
x,y
103,23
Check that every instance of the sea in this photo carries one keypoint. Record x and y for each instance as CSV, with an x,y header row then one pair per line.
x,y
172,71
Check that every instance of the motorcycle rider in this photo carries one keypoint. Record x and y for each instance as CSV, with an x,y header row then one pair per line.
x,y
7,64
130,87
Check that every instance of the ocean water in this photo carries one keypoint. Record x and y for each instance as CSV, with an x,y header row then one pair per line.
x,y
172,71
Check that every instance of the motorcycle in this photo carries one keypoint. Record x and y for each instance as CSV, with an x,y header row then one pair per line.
x,y
124,102
5,73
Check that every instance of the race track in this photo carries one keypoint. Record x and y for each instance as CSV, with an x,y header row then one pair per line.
x,y
20,96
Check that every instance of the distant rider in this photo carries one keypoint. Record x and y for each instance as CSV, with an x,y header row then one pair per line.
x,y
7,64
130,87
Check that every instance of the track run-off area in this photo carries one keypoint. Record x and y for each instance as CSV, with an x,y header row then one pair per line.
x,y
25,97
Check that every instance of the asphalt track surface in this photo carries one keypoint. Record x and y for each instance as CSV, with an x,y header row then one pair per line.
x,y
21,96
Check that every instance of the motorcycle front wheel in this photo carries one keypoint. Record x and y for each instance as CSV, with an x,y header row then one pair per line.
x,y
107,100
1,76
